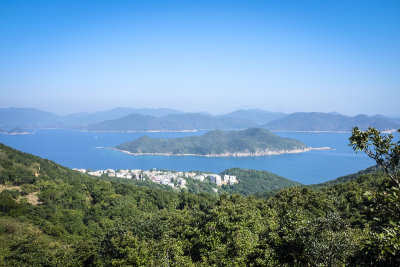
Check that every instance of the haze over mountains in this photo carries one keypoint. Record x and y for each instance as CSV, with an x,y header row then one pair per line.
x,y
255,115
175,122
162,119
35,118
316,121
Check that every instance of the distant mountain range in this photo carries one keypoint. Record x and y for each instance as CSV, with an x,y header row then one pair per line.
x,y
256,115
315,121
26,117
35,118
96,117
249,142
175,122
162,119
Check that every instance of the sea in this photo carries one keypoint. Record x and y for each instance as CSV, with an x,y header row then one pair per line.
x,y
88,150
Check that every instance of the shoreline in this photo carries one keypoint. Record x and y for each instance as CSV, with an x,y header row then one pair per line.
x,y
150,131
197,130
24,133
238,154
284,131
191,131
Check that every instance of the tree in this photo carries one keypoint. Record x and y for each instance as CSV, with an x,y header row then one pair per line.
x,y
381,148
383,246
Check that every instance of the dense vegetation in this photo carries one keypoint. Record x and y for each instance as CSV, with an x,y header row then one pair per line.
x,y
317,121
52,216
255,181
249,141
346,178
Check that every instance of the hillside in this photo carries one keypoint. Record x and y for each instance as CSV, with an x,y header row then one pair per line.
x,y
349,177
315,121
174,122
53,216
255,181
250,142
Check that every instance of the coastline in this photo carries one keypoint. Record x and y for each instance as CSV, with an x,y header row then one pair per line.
x,y
239,154
197,130
24,133
348,132
150,131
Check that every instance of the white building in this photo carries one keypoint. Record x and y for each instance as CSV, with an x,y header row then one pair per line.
x,y
215,178
229,179
199,177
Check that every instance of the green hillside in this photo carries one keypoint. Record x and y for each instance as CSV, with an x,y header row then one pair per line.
x,y
254,181
53,216
253,141
343,179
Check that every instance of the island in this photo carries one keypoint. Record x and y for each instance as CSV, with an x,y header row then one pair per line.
x,y
217,143
14,131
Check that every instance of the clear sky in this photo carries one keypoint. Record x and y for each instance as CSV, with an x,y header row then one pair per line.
x,y
216,56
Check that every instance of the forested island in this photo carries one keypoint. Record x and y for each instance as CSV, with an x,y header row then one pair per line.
x,y
218,143
53,216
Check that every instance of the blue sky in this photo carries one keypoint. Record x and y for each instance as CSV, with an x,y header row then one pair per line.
x,y
216,56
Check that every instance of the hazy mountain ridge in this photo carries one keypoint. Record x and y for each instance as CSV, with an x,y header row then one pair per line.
x,y
249,142
84,119
26,117
256,115
174,122
35,118
164,119
317,121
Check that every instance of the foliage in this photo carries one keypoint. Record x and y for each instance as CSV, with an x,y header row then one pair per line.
x,y
383,246
381,148
253,181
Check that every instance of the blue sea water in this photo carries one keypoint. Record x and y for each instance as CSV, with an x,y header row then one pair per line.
x,y
77,149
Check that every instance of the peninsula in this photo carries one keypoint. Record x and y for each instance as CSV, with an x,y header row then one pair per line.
x,y
217,143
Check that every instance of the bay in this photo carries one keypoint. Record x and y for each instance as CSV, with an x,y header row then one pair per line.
x,y
77,149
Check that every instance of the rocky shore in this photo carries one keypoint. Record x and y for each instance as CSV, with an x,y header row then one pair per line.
x,y
230,154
